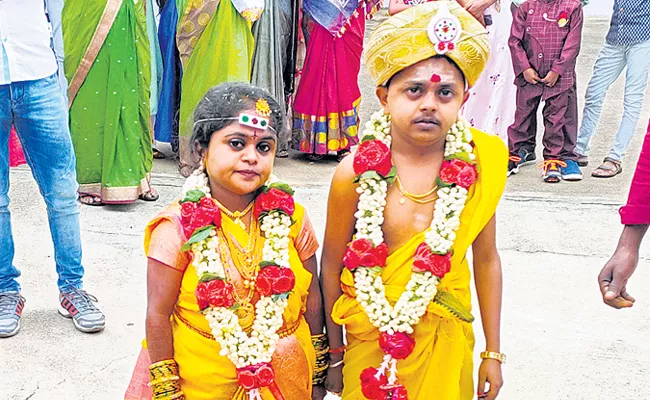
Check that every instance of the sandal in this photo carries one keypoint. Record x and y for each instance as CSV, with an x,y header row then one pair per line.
x,y
342,154
90,199
315,157
158,155
608,169
151,195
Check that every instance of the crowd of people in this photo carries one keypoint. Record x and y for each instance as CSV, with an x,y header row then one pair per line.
x,y
237,305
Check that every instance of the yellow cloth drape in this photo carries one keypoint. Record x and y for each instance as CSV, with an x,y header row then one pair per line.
x,y
441,365
205,375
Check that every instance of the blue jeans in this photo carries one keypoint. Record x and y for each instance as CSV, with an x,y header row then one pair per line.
x,y
38,112
609,65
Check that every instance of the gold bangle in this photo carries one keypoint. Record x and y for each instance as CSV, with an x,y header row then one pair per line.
x,y
164,363
336,364
493,355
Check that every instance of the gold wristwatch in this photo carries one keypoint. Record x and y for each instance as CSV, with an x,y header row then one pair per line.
x,y
492,355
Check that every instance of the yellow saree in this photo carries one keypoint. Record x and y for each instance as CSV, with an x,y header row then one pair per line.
x,y
441,365
206,375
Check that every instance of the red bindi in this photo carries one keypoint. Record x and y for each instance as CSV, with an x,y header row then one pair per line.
x,y
435,78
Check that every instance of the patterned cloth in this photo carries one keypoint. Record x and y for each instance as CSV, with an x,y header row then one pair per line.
x,y
403,40
491,104
538,41
630,22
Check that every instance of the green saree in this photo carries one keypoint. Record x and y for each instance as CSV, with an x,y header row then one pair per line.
x,y
215,44
107,65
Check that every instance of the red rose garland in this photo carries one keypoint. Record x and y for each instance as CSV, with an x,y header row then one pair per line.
x,y
366,254
201,218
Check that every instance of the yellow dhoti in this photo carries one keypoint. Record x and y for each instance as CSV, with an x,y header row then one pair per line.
x,y
441,365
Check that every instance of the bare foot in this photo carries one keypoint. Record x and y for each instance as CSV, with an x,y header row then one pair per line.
x,y
151,195
185,169
90,200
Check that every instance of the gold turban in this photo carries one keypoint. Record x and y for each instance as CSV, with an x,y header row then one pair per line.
x,y
424,31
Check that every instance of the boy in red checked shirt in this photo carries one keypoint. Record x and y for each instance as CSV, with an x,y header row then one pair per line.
x,y
544,43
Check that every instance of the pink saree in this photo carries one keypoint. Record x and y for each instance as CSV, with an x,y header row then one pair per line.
x,y
326,106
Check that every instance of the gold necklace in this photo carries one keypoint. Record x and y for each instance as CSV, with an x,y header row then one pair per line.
x,y
417,198
246,310
246,260
236,216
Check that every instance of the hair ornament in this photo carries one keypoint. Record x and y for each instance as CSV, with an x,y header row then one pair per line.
x,y
262,108
250,120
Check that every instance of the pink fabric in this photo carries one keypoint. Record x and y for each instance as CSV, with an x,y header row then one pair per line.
x,y
16,156
637,209
325,108
491,104
139,386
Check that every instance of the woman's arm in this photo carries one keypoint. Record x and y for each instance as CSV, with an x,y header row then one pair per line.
x,y
342,204
163,285
489,282
314,314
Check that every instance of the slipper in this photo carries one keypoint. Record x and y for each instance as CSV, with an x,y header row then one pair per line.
x,y
151,195
607,171
315,157
90,200
158,155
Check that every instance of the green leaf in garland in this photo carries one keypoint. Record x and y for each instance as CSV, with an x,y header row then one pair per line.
x,y
443,184
461,156
282,296
371,175
376,269
282,186
392,175
367,138
194,196
198,236
207,277
265,264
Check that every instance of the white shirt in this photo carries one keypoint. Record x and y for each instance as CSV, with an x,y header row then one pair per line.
x,y
25,42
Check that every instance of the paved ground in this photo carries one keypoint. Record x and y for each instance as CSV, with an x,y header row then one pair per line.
x,y
561,341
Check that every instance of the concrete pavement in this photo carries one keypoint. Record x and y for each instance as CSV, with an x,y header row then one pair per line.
x,y
562,342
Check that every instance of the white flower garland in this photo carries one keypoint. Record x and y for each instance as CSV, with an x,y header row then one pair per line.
x,y
244,350
440,237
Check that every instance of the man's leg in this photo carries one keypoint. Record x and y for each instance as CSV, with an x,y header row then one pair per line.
x,y
41,123
8,273
636,79
11,302
608,67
